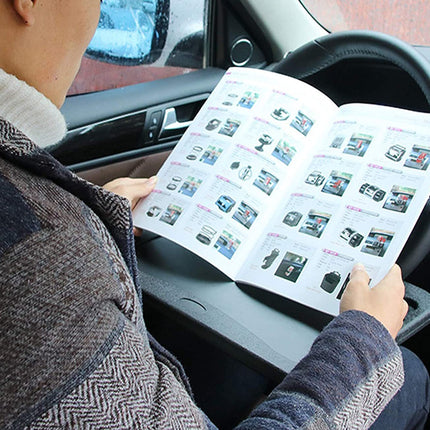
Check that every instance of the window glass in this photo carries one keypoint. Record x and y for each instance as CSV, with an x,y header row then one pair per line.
x,y
142,40
405,19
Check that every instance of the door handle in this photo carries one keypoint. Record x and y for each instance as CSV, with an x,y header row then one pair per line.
x,y
171,126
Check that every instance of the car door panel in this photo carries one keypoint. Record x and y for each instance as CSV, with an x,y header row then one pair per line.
x,y
139,167
117,125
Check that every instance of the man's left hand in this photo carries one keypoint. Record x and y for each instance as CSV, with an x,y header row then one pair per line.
x,y
132,189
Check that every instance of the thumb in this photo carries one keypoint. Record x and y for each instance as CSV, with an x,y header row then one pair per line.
x,y
139,189
133,189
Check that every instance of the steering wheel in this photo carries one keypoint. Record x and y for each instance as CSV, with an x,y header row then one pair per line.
x,y
321,56
326,51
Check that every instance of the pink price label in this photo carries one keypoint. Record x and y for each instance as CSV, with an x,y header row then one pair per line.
x,y
374,166
273,234
395,129
247,149
277,235
222,178
330,252
257,118
280,92
203,208
354,208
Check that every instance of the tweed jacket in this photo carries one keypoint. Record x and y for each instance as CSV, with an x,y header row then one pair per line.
x,y
74,349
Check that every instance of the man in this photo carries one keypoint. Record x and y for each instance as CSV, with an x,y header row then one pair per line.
x,y
74,350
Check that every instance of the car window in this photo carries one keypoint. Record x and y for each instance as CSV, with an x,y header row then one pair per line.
x,y
407,20
142,40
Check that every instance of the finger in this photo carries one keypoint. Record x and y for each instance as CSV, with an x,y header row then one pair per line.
x,y
393,279
358,267
131,188
405,309
142,181
359,275
139,189
393,273
137,231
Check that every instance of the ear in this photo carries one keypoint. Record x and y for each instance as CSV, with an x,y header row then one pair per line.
x,y
25,10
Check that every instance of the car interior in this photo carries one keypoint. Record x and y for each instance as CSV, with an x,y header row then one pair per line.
x,y
248,338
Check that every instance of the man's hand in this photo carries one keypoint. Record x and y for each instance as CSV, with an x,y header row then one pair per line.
x,y
384,301
132,189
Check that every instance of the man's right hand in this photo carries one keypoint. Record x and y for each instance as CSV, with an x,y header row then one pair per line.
x,y
385,301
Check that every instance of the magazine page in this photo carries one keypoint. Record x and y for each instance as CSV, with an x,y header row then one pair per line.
x,y
218,187
356,200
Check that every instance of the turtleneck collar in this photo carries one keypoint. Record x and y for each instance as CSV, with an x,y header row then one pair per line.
x,y
30,111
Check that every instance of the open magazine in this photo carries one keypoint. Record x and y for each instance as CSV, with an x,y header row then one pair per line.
x,y
278,187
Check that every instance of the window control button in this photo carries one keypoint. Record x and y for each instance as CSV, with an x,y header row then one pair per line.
x,y
155,119
150,135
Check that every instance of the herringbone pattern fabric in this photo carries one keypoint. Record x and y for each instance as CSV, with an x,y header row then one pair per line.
x,y
14,142
128,391
370,399
129,303
75,352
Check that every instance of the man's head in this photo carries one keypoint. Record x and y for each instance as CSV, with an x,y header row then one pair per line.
x,y
42,41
